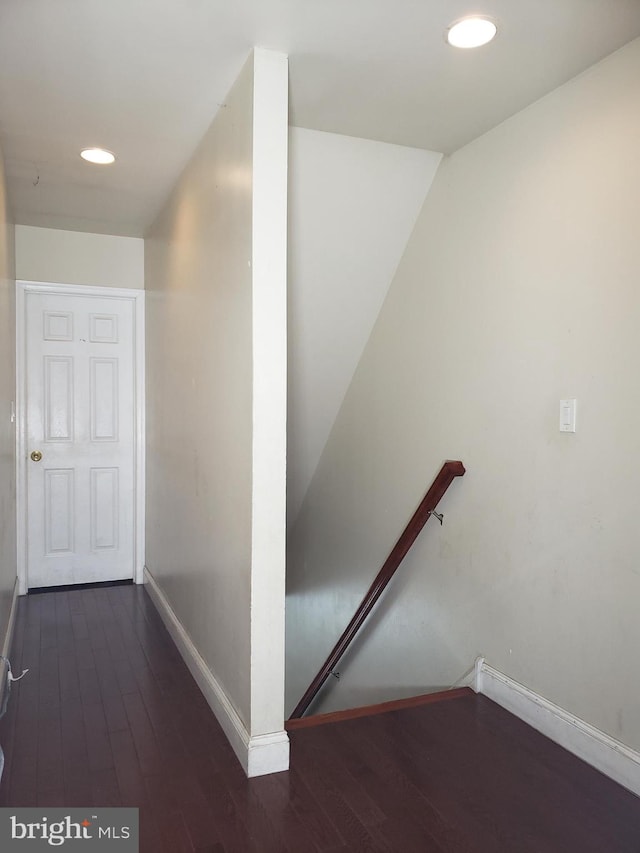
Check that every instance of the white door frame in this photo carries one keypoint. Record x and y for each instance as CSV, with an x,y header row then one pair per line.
x,y
137,299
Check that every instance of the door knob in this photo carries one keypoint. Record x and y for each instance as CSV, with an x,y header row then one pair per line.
x,y
36,455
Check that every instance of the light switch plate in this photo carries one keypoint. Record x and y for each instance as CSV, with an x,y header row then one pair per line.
x,y
568,415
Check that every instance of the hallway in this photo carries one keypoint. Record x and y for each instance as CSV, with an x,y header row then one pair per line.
x,y
109,715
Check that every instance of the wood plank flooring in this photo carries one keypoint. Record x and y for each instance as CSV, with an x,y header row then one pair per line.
x,y
110,715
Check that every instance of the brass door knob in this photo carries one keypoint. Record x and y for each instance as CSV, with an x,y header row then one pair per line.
x,y
36,455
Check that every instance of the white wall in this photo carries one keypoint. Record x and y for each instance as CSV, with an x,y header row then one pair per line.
x,y
519,287
353,204
72,257
216,398
269,291
7,395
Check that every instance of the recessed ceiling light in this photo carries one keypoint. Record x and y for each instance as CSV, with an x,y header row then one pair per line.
x,y
98,155
471,32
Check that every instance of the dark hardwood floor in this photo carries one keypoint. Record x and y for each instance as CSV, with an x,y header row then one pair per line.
x,y
110,715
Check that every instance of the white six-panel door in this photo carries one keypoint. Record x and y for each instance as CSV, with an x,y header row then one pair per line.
x,y
80,429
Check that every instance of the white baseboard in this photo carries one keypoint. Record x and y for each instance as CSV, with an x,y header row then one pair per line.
x,y
606,754
258,755
8,635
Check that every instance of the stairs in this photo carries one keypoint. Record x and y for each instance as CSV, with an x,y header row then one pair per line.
x,y
382,708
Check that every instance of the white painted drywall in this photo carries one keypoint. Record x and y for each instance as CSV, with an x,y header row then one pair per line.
x,y
7,396
269,486
353,204
199,396
216,402
74,257
519,287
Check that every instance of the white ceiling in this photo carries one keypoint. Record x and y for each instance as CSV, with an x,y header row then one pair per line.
x,y
145,78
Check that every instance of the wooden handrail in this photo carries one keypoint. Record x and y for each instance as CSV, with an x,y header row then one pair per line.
x,y
449,471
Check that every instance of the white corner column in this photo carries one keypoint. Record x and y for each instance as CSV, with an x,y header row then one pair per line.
x,y
269,743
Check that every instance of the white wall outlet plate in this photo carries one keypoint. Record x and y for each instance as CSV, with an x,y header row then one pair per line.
x,y
568,415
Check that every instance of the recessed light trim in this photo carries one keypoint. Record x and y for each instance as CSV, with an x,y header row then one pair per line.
x,y
471,32
99,156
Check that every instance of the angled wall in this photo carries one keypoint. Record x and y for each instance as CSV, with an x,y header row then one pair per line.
x,y
519,287
215,268
352,206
